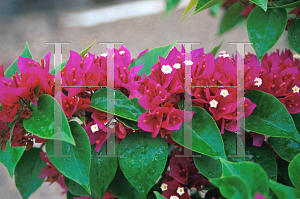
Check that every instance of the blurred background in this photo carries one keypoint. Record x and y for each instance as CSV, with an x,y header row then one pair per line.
x,y
139,25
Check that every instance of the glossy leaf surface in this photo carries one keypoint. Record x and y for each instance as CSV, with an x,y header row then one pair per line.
x,y
123,106
28,171
251,173
73,162
265,28
150,58
294,35
294,171
283,191
103,170
233,187
270,117
142,160
41,122
206,137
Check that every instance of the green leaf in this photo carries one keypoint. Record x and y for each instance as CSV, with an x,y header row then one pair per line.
x,y
285,4
232,187
215,50
73,162
82,118
70,195
11,157
252,173
28,171
294,171
232,17
41,122
180,104
62,65
283,171
265,28
14,66
191,4
270,117
214,10
82,53
286,148
294,35
158,195
207,166
150,58
283,191
212,168
263,156
36,90
204,4
206,137
103,170
121,188
142,160
77,190
123,106
261,3
170,5
136,103
129,123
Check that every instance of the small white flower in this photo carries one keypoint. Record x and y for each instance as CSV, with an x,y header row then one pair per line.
x,y
223,52
296,89
174,197
224,92
177,66
103,55
166,69
296,56
164,186
180,190
94,128
224,55
213,103
258,81
188,62
122,52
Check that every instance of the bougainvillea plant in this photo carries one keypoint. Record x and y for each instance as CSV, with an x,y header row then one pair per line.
x,y
148,123
266,19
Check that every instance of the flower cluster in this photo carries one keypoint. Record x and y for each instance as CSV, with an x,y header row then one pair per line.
x,y
214,88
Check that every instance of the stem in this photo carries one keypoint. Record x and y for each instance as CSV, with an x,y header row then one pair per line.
x,y
28,106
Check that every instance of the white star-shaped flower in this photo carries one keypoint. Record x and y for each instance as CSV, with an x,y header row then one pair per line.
x,y
213,103
258,81
103,55
177,66
180,190
164,186
94,128
224,92
296,56
166,69
122,52
188,62
296,89
224,55
174,197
